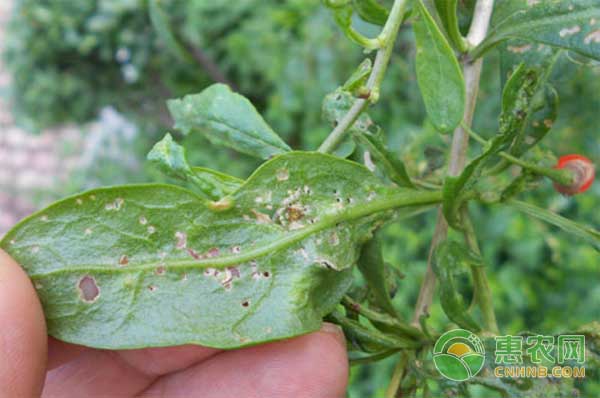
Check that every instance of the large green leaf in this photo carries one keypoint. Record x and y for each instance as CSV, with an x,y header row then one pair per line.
x,y
228,119
573,24
155,265
438,73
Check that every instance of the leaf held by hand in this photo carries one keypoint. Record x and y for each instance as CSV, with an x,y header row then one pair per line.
x,y
152,265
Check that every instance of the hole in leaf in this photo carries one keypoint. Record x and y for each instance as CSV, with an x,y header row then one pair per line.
x,y
88,289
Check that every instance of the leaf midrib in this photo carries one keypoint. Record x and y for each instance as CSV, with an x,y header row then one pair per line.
x,y
388,202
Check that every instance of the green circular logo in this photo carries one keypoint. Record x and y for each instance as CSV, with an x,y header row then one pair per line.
x,y
458,355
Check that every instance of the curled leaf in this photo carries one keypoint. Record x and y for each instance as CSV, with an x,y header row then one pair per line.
x,y
452,260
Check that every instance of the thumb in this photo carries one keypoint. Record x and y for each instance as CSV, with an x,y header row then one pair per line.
x,y
23,341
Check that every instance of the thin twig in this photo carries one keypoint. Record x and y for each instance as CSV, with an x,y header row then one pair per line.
x,y
382,59
460,141
211,68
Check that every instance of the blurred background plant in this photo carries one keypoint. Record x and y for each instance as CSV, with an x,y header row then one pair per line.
x,y
82,100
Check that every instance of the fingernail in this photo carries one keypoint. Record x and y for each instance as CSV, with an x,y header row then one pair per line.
x,y
335,331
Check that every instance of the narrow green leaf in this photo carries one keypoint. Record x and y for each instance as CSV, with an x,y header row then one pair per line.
x,y
438,73
573,25
516,107
359,77
393,167
589,234
372,266
342,13
451,261
169,158
447,10
371,11
226,118
152,265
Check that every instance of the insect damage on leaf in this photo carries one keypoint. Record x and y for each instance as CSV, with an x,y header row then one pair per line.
x,y
161,268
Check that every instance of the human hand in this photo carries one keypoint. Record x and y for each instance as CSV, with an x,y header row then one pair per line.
x,y
314,365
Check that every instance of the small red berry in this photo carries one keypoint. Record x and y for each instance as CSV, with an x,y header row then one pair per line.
x,y
583,172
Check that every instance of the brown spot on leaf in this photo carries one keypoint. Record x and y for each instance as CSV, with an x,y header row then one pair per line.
x,y
212,252
593,37
262,218
88,289
194,254
152,288
246,303
160,270
123,260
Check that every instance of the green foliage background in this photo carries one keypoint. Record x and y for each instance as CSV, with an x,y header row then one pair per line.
x,y
70,58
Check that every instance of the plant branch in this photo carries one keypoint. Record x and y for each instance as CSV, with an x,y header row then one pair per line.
x,y
460,141
483,295
378,317
382,59
564,177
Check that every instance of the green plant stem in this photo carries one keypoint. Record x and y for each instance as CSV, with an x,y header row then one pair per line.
x,y
483,295
372,358
563,177
371,336
397,377
458,149
387,38
401,327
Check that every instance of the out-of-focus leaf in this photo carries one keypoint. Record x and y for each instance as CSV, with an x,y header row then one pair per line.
x,y
169,158
589,234
438,73
162,26
452,260
226,118
371,11
152,265
393,167
516,106
447,10
566,24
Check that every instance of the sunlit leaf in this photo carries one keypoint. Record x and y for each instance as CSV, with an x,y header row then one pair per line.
x,y
438,73
226,118
573,25
155,265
